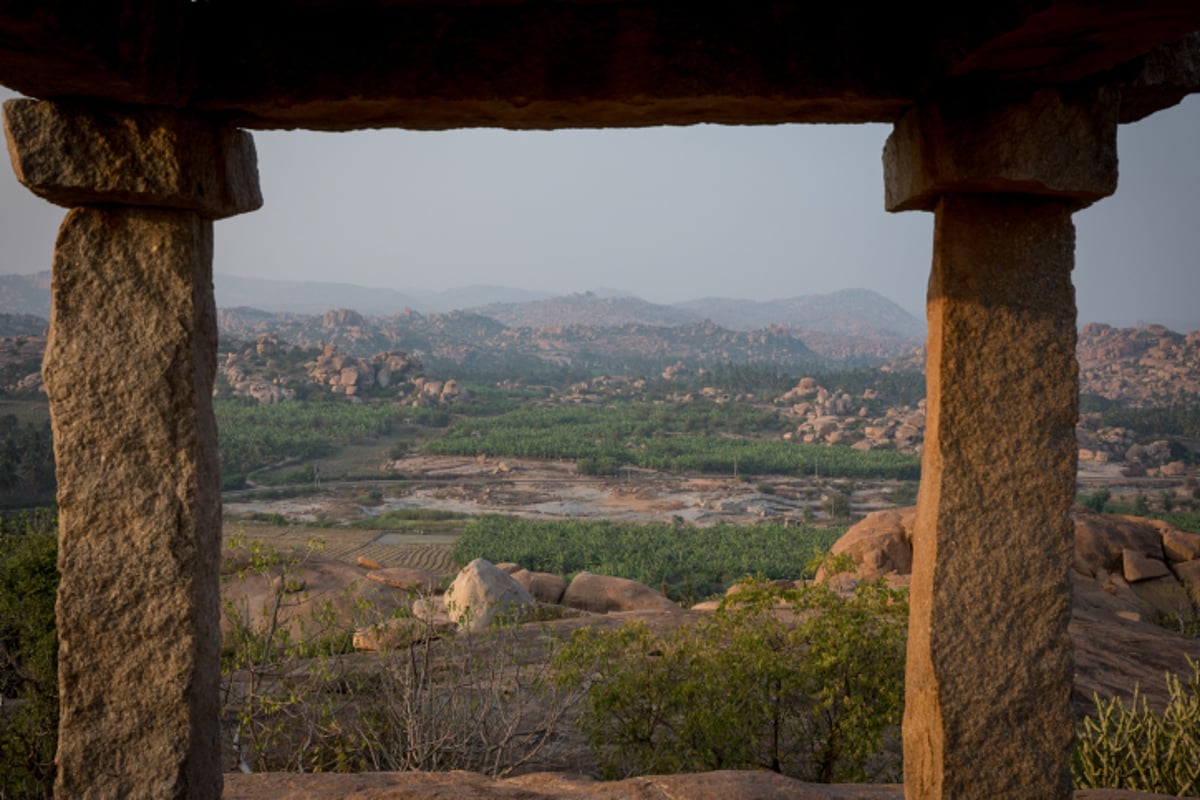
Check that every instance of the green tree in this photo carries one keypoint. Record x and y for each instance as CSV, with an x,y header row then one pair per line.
x,y
809,693
28,655
1096,500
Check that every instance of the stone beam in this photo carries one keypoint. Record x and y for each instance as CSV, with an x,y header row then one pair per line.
x,y
129,369
336,65
990,666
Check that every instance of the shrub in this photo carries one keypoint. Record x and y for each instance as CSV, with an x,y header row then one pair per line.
x,y
1096,500
1136,748
28,655
802,681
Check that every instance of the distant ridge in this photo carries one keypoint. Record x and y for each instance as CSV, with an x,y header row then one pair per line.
x,y
849,312
317,297
587,308
26,294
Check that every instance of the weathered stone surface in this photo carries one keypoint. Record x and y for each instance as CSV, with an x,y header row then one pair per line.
x,y
409,579
1102,539
545,587
1164,600
603,594
1051,144
988,680
1189,575
76,156
482,593
320,591
391,634
880,543
724,785
139,504
1137,566
1180,545
1169,73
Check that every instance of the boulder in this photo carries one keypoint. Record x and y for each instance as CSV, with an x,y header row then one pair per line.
x,y
1102,539
1180,546
321,595
1138,567
603,594
1189,575
393,634
1165,600
545,587
880,543
482,593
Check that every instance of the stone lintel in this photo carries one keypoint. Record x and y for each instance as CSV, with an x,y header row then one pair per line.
x,y
77,156
989,666
1167,75
1051,144
129,368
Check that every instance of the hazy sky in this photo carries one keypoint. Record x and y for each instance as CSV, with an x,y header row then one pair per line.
x,y
666,213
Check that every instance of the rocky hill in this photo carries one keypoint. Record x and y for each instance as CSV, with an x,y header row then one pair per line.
x,y
25,294
462,339
588,309
850,312
1151,367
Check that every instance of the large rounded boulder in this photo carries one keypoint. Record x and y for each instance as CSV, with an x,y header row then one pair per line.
x,y
483,593
602,594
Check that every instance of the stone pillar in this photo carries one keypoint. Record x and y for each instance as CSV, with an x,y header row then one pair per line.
x,y
129,369
990,665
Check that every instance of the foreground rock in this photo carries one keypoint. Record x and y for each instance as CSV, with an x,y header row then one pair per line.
x,y
1128,575
602,594
483,593
726,785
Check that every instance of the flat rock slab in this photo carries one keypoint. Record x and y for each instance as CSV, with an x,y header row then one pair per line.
x,y
727,785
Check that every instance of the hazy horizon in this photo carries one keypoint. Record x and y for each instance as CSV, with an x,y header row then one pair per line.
x,y
665,214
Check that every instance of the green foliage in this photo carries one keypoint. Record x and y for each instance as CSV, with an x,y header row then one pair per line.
x,y
26,463
684,437
255,435
293,701
1137,748
810,692
1096,500
837,505
894,388
28,654
1184,520
689,563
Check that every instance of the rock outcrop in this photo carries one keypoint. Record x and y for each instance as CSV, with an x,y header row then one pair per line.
x,y
482,594
1128,575
602,594
350,375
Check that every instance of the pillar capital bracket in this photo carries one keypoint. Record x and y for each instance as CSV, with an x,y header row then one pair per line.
x,y
1054,143
79,156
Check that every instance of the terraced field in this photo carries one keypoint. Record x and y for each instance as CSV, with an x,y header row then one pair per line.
x,y
389,548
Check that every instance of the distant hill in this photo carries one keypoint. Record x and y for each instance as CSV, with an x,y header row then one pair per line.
x,y
26,294
317,297
306,297
849,312
22,325
587,308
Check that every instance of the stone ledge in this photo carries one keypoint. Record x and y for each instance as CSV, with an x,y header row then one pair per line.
x,y
725,785
1050,145
142,157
